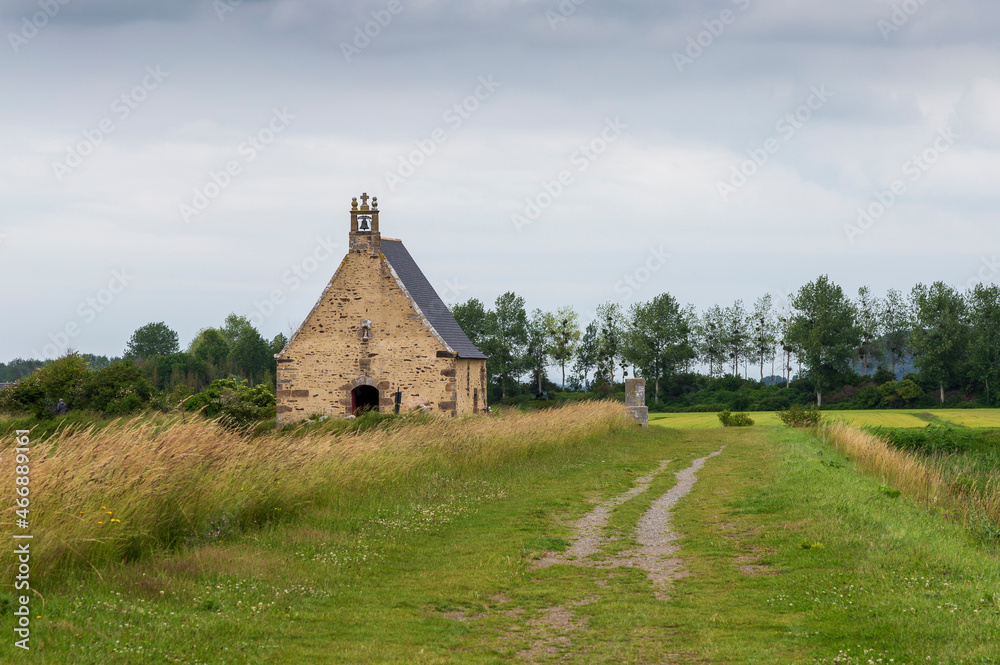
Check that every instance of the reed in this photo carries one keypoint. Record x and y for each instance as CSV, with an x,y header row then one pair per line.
x,y
125,491
946,483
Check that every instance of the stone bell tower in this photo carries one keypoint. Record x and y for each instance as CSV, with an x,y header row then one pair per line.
x,y
364,236
379,338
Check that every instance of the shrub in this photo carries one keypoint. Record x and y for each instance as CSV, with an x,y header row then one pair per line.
x,y
60,378
931,439
25,395
705,408
799,416
735,419
237,404
180,393
909,391
116,389
868,397
8,399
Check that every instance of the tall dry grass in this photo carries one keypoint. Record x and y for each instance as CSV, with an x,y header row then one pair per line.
x,y
127,490
934,482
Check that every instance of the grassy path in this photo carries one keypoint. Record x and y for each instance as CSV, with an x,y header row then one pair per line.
x,y
787,556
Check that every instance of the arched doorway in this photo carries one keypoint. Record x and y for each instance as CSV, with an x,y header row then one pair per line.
x,y
364,398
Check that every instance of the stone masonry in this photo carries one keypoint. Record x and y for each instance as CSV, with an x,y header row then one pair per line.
x,y
368,329
635,400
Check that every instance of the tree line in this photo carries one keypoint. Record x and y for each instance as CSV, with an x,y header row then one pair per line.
x,y
229,369
863,342
820,342
234,349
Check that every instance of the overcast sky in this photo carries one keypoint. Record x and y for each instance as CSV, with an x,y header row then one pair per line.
x,y
178,161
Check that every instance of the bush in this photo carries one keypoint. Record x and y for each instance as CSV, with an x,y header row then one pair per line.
x,y
931,439
799,416
25,395
117,389
867,398
60,378
237,405
735,419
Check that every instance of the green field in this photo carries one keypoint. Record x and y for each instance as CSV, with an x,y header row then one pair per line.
x,y
884,418
787,554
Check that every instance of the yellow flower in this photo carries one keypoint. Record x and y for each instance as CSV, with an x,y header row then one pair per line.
x,y
100,522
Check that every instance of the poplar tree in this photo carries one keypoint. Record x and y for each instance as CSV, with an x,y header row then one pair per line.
x,y
984,341
869,321
939,335
712,335
564,334
764,331
896,322
586,352
609,337
472,317
736,333
506,339
538,344
823,332
657,339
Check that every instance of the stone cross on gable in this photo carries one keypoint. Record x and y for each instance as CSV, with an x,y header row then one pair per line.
x,y
364,223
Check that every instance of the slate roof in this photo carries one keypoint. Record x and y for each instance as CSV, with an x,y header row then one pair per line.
x,y
427,299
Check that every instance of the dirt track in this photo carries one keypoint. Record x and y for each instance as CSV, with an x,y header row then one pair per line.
x,y
655,553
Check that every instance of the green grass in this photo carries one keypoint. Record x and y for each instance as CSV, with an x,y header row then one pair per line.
x,y
969,417
437,570
707,420
968,458
864,418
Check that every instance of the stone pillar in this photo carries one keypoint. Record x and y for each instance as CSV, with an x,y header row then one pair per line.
x,y
635,400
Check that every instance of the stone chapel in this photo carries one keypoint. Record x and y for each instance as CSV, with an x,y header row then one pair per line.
x,y
379,337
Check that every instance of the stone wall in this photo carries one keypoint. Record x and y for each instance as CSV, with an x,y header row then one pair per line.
x,y
635,400
333,352
471,385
